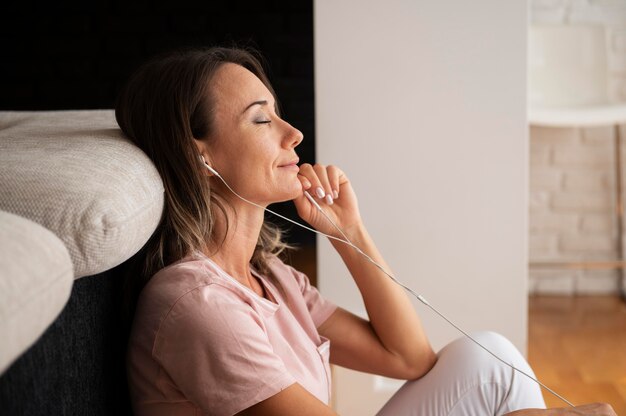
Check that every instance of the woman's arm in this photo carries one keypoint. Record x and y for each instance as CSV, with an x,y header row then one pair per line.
x,y
392,342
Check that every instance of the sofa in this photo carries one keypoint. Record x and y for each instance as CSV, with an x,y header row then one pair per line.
x,y
77,201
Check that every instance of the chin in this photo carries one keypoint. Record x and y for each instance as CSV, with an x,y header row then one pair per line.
x,y
291,194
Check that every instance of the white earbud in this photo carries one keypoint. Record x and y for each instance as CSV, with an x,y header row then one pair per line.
x,y
213,171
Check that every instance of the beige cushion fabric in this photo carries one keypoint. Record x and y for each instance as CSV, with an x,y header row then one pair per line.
x,y
75,174
35,283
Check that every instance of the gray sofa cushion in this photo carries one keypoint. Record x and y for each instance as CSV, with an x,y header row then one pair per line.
x,y
74,173
35,283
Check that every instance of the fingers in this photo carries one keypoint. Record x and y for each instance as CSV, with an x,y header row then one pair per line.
x,y
306,184
324,181
322,175
333,178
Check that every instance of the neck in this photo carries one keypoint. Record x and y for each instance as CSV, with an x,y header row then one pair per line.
x,y
236,251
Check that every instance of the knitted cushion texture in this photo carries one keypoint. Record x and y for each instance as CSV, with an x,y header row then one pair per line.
x,y
77,175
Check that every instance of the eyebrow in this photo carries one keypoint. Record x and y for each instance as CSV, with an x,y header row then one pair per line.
x,y
260,102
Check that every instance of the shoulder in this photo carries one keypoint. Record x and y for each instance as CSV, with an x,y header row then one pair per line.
x,y
189,301
177,279
191,289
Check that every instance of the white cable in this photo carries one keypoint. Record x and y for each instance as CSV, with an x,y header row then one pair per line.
x,y
418,297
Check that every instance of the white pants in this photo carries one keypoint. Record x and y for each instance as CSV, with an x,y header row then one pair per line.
x,y
468,381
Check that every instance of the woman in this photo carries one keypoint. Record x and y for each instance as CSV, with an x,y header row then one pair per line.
x,y
222,326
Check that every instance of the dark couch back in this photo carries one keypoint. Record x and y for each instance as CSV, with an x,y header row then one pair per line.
x,y
77,367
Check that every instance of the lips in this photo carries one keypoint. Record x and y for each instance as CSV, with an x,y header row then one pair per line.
x,y
294,162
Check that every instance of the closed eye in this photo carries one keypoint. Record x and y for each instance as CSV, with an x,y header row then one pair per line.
x,y
263,121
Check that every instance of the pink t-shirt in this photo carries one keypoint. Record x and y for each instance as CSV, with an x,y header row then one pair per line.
x,y
204,344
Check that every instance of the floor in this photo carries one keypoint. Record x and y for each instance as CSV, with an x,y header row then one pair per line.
x,y
577,347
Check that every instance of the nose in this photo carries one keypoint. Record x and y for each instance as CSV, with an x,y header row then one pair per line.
x,y
293,136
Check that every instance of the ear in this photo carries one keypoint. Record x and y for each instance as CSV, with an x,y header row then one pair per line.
x,y
203,156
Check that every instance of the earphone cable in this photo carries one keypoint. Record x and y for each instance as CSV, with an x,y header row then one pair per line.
x,y
421,298
427,303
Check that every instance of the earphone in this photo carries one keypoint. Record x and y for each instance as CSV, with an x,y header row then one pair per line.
x,y
421,298
213,171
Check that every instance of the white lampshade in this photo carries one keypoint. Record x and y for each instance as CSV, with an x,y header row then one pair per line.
x,y
567,65
568,79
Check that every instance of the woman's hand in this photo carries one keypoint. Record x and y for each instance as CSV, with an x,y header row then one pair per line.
x,y
594,409
332,190
392,342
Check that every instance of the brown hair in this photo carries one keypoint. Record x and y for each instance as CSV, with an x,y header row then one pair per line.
x,y
163,107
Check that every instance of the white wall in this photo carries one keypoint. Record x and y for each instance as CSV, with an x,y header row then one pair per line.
x,y
423,104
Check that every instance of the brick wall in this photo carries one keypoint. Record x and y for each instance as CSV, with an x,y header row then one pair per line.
x,y
572,171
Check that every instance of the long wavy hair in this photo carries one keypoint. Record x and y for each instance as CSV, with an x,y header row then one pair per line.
x,y
165,105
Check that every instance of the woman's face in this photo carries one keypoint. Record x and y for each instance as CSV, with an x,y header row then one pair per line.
x,y
251,147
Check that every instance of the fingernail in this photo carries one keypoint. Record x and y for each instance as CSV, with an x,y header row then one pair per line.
x,y
329,199
335,194
320,192
306,185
